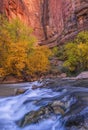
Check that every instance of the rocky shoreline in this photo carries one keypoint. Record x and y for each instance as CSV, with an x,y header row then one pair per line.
x,y
63,76
10,87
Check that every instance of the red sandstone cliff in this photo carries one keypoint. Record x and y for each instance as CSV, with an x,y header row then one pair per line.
x,y
28,11
66,19
53,21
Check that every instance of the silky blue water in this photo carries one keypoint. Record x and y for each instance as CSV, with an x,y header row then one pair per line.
x,y
13,109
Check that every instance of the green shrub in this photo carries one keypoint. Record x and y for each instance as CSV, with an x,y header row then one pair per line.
x,y
77,53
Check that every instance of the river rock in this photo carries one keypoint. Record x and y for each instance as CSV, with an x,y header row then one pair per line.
x,y
55,107
35,87
74,120
58,110
35,116
83,75
20,91
63,75
58,107
57,103
77,122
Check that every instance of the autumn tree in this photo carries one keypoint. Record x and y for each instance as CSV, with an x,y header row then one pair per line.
x,y
39,60
18,53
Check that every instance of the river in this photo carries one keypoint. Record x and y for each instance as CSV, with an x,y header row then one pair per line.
x,y
18,112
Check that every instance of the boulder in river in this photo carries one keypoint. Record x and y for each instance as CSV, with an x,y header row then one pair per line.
x,y
56,107
83,75
20,91
77,122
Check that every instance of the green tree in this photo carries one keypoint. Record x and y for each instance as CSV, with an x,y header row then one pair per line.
x,y
77,53
82,37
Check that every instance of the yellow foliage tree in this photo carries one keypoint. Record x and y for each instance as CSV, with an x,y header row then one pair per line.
x,y
17,58
39,60
18,53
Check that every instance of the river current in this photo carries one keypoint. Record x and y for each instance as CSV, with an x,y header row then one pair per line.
x,y
14,108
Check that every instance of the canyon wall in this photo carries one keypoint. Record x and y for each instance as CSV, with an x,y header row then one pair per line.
x,y
28,11
66,19
75,18
53,21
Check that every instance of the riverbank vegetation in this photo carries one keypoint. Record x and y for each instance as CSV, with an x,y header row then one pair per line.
x,y
74,54
21,56
19,53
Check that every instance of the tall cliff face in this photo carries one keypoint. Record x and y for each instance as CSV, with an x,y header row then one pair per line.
x,y
66,19
53,21
28,11
75,18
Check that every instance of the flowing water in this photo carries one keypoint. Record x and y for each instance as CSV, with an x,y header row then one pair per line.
x,y
14,108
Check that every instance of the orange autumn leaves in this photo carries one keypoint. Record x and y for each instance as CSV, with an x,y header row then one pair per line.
x,y
41,64
18,53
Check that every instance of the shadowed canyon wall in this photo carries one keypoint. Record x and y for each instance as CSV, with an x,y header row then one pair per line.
x,y
53,21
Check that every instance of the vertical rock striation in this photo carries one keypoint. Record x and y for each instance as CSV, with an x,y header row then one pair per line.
x,y
75,18
53,21
66,19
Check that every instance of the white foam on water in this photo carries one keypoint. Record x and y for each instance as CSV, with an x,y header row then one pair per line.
x,y
14,108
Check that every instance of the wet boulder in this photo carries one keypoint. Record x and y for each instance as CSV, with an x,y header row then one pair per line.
x,y
34,87
56,107
74,120
35,116
83,75
20,91
58,110
77,122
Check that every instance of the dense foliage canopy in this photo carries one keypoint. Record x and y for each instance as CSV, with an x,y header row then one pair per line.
x,y
19,53
77,53
74,54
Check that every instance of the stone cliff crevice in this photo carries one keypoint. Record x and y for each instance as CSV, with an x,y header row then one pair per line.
x,y
45,16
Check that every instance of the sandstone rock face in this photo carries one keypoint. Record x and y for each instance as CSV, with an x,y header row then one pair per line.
x,y
66,19
28,11
75,18
53,21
